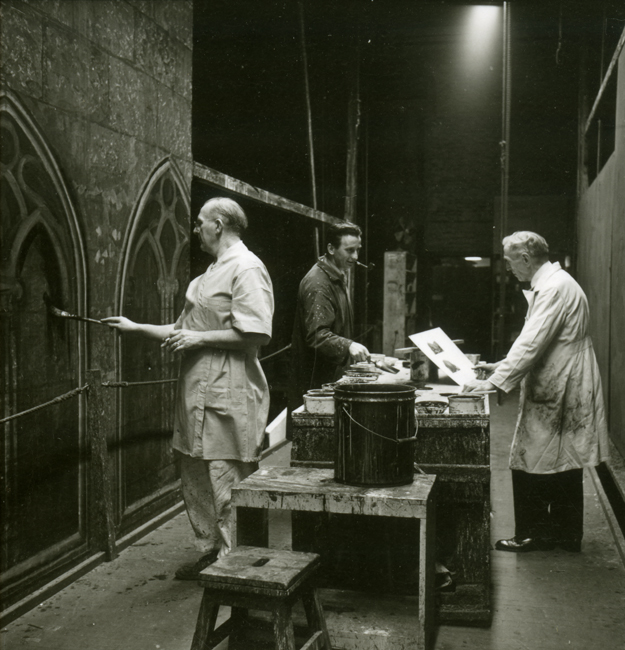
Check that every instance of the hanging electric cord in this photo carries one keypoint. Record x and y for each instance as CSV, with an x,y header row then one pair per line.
x,y
311,147
505,179
559,37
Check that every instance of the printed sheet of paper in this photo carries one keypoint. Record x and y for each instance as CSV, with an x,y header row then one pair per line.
x,y
445,354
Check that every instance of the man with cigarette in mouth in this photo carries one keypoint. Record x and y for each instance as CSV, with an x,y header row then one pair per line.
x,y
324,319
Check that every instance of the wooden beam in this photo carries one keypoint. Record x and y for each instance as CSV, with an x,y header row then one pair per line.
x,y
102,529
608,73
223,181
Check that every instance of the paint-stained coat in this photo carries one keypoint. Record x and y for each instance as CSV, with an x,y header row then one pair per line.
x,y
561,423
322,332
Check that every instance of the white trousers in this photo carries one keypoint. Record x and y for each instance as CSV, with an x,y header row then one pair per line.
x,y
206,487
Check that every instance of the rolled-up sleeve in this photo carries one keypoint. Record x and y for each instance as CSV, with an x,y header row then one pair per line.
x,y
252,301
547,317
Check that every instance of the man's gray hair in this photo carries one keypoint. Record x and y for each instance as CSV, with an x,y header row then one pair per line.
x,y
524,241
230,211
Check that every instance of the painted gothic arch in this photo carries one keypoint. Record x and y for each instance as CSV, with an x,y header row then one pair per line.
x,y
42,357
152,281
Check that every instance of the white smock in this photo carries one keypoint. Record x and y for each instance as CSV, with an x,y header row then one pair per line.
x,y
222,397
561,423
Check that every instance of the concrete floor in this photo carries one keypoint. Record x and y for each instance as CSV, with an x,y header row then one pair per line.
x,y
542,601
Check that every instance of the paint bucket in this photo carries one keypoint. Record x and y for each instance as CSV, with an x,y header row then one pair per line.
x,y
431,404
319,404
375,434
466,404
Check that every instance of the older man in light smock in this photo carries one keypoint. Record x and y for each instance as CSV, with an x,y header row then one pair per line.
x,y
561,426
222,397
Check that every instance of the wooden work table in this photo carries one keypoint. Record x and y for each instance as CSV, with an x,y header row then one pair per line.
x,y
457,450
314,490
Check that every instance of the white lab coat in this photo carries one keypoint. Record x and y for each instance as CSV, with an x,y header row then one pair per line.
x,y
561,423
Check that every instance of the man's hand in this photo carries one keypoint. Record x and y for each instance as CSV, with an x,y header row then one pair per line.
x,y
121,323
477,386
488,368
182,340
358,352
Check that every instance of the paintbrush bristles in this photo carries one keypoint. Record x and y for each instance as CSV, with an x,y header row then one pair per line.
x,y
60,313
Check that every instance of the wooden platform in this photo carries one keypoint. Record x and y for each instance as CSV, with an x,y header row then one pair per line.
x,y
314,490
457,450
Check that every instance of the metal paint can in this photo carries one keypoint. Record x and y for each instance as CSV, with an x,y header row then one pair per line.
x,y
466,404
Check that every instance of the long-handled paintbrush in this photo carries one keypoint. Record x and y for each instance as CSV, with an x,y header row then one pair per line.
x,y
60,313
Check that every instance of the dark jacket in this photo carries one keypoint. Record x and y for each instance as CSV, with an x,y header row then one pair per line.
x,y
322,332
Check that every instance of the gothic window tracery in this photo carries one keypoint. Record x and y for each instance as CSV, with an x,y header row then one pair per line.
x,y
41,253
154,281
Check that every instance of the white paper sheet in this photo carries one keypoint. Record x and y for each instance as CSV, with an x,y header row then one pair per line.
x,y
445,354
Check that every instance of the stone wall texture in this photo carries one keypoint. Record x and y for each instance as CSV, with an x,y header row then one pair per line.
x,y
96,181
109,84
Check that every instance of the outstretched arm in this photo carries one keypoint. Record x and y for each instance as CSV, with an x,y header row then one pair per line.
x,y
125,325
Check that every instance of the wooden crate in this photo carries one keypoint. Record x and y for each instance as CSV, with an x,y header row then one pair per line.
x,y
457,450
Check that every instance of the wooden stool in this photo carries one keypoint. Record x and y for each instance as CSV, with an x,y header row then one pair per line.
x,y
264,579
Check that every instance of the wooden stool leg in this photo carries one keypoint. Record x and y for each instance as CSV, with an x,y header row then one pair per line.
x,y
314,615
283,628
206,619
240,624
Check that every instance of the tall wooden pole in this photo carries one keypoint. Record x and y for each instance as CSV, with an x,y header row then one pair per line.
x,y
505,176
353,135
102,530
311,147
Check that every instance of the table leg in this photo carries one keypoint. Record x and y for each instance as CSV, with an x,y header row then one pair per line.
x,y
205,626
427,613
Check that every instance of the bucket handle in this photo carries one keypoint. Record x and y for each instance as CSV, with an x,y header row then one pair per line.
x,y
399,441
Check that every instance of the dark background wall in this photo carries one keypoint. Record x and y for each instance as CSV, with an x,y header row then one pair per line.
x,y
428,77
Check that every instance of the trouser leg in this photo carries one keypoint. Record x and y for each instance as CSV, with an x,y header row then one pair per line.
x,y
549,506
206,488
531,505
197,493
567,505
224,475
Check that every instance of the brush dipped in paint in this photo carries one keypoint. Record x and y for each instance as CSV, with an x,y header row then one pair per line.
x,y
60,313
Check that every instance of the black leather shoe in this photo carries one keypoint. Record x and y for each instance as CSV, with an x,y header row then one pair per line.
x,y
514,545
444,582
192,571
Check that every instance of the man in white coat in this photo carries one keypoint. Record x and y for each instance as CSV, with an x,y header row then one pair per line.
x,y
561,426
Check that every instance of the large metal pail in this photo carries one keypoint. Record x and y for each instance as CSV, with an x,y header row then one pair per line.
x,y
375,434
